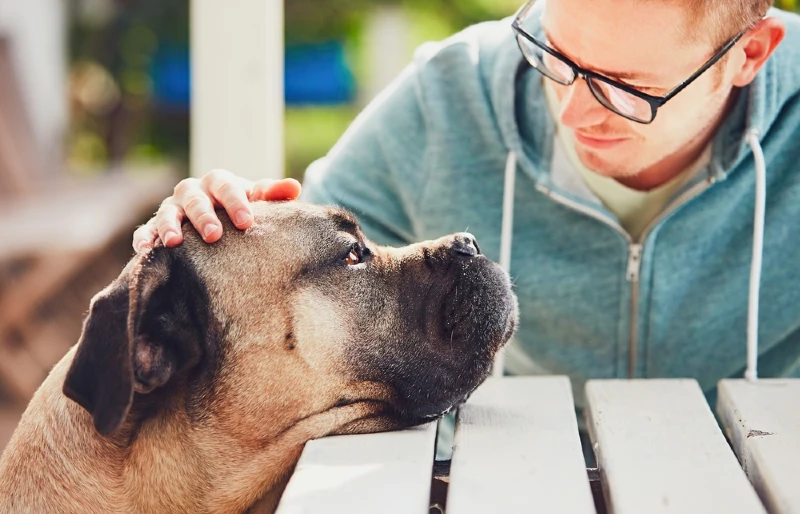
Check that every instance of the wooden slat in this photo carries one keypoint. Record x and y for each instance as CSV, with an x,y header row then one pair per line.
x,y
387,472
517,449
48,274
19,372
80,215
660,449
762,421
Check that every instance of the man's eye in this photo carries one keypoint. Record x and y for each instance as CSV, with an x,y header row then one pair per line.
x,y
352,258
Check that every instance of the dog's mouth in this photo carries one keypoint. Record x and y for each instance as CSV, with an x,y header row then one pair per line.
x,y
477,309
475,316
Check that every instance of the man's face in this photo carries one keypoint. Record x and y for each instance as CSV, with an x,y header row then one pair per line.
x,y
643,44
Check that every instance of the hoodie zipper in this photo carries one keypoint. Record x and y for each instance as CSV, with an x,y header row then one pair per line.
x,y
635,251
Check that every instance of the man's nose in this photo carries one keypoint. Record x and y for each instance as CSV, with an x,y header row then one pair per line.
x,y
465,244
579,107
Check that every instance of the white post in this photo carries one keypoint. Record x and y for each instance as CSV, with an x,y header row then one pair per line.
x,y
37,33
388,48
237,87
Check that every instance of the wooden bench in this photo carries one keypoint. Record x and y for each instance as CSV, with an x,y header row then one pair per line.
x,y
658,445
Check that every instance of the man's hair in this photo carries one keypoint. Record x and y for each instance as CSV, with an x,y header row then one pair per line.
x,y
719,20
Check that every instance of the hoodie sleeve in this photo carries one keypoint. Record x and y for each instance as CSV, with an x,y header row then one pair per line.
x,y
375,168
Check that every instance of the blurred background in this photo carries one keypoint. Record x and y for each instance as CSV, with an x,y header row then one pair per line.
x,y
129,71
96,127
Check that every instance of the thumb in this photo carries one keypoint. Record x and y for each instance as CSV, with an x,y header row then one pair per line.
x,y
272,190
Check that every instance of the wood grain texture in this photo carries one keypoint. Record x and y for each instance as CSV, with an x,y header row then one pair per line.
x,y
386,472
659,449
517,450
762,421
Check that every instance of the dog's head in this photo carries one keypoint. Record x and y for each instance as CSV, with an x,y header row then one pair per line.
x,y
298,319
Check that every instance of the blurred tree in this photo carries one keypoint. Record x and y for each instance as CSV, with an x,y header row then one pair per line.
x,y
130,82
311,20
125,45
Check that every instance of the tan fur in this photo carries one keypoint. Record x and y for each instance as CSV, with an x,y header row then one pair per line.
x,y
284,368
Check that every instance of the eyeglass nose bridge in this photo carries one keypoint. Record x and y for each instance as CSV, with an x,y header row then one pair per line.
x,y
577,74
600,97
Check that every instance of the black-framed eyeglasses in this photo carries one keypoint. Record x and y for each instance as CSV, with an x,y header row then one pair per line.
x,y
619,98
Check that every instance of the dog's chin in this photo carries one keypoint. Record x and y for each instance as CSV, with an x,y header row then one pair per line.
x,y
453,325
467,357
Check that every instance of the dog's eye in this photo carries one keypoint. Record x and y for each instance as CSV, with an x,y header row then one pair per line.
x,y
352,258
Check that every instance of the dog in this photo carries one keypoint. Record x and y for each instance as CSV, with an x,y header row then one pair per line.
x,y
202,370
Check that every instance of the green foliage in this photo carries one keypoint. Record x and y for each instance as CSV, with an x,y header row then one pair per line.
x,y
112,61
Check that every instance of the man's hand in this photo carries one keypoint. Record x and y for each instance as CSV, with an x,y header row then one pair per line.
x,y
196,199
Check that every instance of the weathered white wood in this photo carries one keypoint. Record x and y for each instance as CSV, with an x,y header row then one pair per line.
x,y
660,449
237,87
387,472
762,421
36,30
79,215
517,450
389,49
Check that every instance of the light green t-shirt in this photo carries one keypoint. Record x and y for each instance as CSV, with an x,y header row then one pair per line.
x,y
634,209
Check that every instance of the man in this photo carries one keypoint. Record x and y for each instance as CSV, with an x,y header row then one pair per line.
x,y
632,216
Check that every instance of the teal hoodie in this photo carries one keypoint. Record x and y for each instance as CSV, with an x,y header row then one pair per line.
x,y
427,158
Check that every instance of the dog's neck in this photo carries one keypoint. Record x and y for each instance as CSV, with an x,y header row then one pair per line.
x,y
155,465
160,460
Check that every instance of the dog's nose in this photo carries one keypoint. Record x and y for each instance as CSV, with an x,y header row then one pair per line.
x,y
465,244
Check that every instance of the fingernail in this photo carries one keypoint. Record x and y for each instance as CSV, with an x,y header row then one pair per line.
x,y
242,217
208,230
169,237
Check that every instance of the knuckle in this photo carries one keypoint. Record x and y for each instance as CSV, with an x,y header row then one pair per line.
x,y
229,191
214,176
185,186
164,225
165,210
197,203
205,218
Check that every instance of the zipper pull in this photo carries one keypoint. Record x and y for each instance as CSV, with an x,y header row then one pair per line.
x,y
634,262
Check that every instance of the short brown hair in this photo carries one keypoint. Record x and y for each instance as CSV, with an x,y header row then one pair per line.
x,y
720,20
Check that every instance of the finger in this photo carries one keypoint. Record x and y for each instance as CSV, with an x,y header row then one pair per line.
x,y
230,192
200,211
274,190
185,189
144,237
168,223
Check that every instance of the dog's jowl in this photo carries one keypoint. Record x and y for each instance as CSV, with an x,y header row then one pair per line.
x,y
203,369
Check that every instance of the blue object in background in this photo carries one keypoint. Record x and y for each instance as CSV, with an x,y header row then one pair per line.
x,y
171,76
314,74
317,74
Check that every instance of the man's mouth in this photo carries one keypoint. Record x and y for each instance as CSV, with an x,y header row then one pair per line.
x,y
600,143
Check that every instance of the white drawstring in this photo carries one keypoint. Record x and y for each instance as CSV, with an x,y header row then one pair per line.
x,y
758,248
506,235
751,372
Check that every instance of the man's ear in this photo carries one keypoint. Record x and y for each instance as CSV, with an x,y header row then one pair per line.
x,y
759,44
146,327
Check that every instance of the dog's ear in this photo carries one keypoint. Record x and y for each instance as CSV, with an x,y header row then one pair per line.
x,y
146,327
